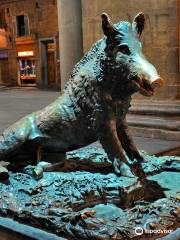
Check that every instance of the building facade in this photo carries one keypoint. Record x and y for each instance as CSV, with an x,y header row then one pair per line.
x,y
32,43
4,73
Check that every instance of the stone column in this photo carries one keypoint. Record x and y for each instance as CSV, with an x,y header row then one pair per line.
x,y
0,75
179,47
70,36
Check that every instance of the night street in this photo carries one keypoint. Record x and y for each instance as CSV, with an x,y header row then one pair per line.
x,y
17,102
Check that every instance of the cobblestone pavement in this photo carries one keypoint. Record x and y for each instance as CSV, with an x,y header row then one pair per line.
x,y
17,102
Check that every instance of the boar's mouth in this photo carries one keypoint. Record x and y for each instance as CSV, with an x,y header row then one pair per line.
x,y
143,86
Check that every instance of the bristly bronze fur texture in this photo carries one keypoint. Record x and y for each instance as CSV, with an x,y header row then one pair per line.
x,y
93,106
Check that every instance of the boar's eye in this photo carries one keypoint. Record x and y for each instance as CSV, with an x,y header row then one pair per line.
x,y
123,48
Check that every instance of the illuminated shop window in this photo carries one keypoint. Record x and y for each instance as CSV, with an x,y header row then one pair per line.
x,y
27,71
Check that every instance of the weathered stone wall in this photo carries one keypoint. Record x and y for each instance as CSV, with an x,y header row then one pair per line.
x,y
160,38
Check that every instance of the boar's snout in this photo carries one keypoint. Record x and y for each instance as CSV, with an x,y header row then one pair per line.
x,y
148,77
157,83
147,87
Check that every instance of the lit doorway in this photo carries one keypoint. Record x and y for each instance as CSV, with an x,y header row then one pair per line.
x,y
48,63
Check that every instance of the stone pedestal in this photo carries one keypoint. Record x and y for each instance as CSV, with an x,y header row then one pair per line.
x,y
85,200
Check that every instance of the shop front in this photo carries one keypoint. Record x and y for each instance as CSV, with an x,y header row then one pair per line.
x,y
26,68
26,64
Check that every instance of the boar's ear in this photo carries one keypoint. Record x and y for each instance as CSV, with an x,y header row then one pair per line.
x,y
139,22
107,26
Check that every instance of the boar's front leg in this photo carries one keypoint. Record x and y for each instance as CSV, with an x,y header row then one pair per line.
x,y
127,142
130,149
112,146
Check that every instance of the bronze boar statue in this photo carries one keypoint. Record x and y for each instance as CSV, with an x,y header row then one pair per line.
x,y
95,101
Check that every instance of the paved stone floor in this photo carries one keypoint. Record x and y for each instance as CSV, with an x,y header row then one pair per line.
x,y
17,102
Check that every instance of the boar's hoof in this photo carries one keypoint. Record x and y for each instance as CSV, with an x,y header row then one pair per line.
x,y
38,172
122,169
138,171
4,174
34,171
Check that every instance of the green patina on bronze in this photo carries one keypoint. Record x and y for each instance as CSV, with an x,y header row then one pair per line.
x,y
95,101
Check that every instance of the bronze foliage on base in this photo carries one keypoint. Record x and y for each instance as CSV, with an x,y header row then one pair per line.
x,y
95,205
